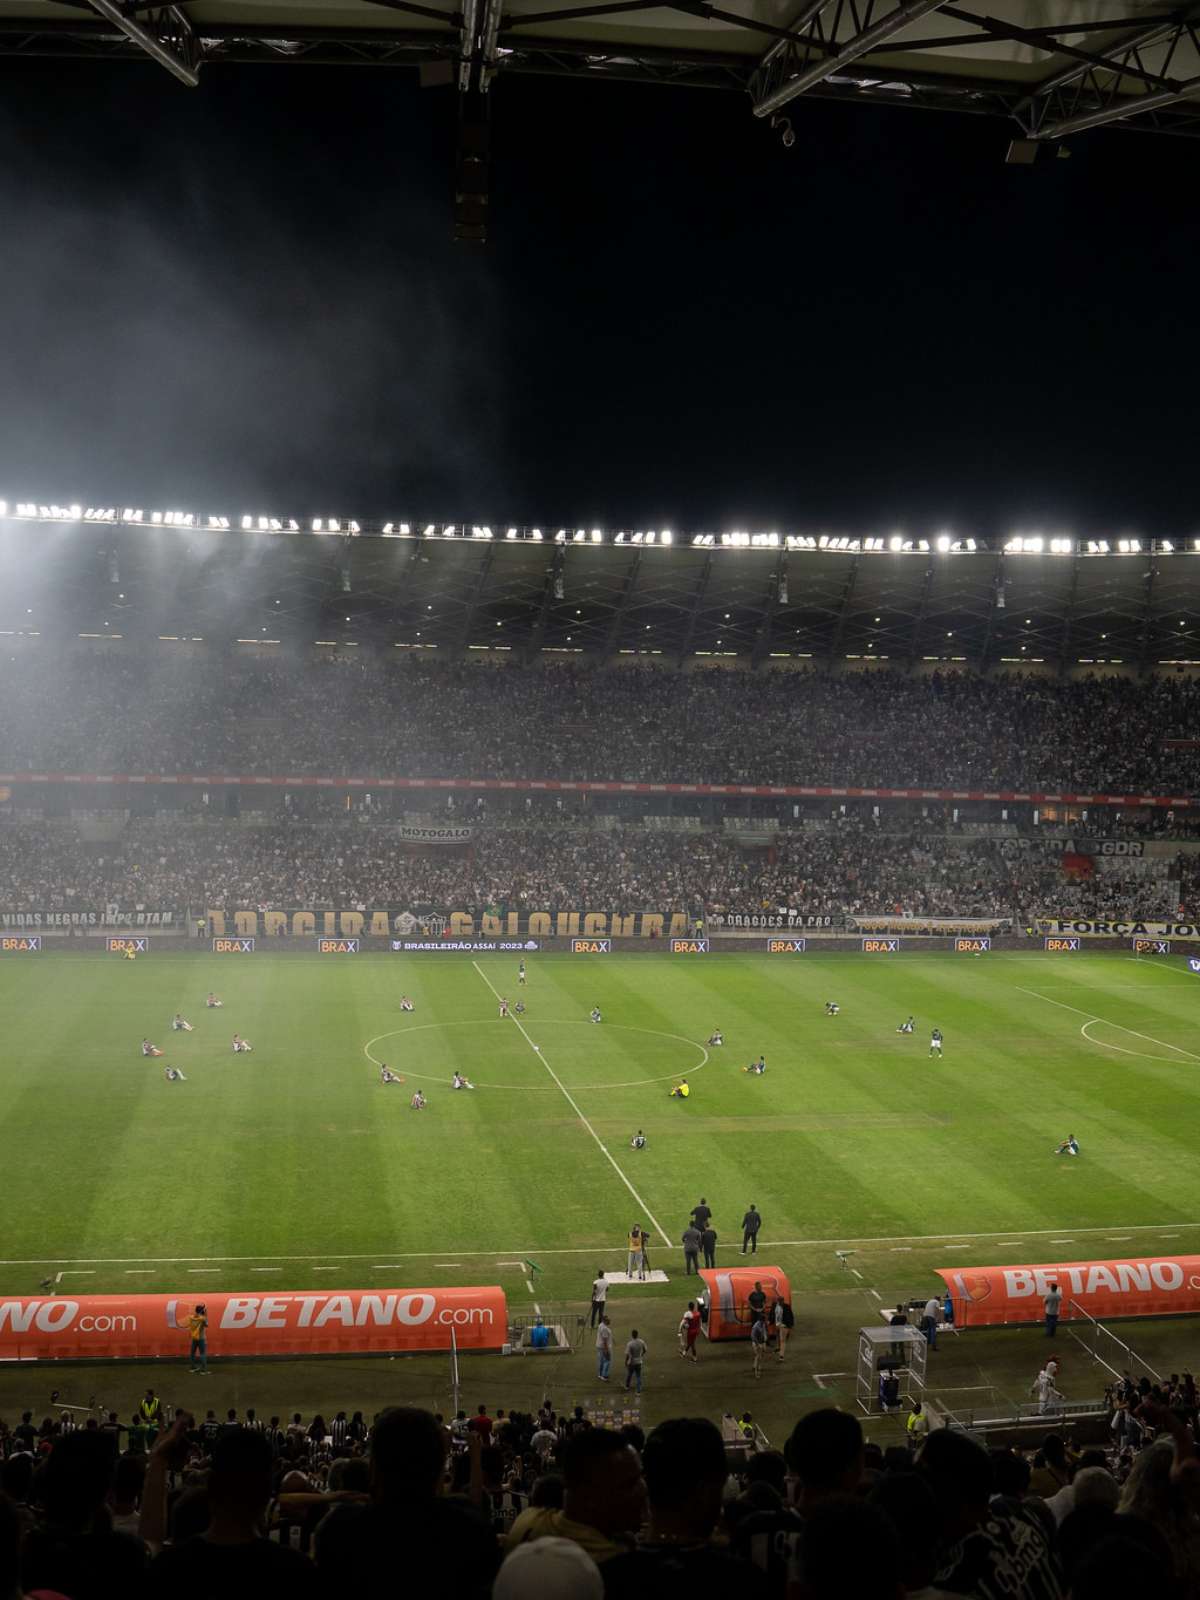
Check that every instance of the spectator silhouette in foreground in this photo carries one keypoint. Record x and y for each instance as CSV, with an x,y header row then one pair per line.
x,y
685,1467
987,1548
231,1558
603,1501
409,1527
849,1547
72,1548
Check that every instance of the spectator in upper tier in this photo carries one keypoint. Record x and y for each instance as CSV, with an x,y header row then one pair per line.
x,y
685,1467
409,1526
604,1500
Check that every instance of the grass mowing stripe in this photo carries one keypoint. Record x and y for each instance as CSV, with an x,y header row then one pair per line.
x,y
574,1107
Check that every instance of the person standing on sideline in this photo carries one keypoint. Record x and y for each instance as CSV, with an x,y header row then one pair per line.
x,y
689,1330
635,1358
751,1223
1052,1304
604,1349
644,1258
708,1243
701,1214
929,1320
784,1323
758,1344
691,1249
197,1326
599,1297
633,1269
917,1426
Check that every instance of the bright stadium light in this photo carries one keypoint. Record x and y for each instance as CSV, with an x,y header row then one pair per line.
x,y
944,542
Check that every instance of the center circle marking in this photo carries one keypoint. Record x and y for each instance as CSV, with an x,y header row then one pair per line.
x,y
549,1088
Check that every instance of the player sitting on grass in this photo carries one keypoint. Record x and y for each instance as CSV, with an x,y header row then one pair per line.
x,y
832,1008
757,1068
130,955
173,1075
681,1090
418,1102
906,1027
213,1003
386,1075
1069,1146
519,1009
179,1025
406,1004
638,1142
461,1082
241,1046
715,1038
149,1049
596,1017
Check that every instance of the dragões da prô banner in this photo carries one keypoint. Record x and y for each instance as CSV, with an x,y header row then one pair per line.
x,y
279,1323
1135,1286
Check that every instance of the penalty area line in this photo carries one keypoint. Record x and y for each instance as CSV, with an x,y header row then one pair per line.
x,y
570,1099
1091,1016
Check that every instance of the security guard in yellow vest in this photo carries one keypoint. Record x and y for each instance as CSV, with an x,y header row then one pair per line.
x,y
150,1414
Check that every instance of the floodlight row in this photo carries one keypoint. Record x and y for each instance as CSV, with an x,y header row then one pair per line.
x,y
943,543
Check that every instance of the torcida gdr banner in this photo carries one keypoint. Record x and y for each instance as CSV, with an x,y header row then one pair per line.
x,y
384,923
1119,927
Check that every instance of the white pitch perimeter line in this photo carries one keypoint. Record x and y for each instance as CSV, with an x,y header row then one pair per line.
x,y
856,1273
575,1108
1119,1026
529,1285
574,1250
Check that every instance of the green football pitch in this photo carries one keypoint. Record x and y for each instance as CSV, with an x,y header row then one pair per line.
x,y
294,1167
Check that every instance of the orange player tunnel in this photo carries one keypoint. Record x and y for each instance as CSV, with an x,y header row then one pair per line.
x,y
727,1291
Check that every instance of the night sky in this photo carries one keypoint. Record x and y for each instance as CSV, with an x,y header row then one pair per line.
x,y
246,297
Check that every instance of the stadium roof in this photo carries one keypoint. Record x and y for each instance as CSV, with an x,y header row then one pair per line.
x,y
1053,67
446,593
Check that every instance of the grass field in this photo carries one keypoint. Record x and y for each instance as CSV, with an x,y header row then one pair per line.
x,y
294,1167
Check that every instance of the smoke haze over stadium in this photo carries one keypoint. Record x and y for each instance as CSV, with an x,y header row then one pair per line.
x,y
248,294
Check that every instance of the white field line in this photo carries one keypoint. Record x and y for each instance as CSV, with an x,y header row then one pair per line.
x,y
578,1250
567,1095
1119,1026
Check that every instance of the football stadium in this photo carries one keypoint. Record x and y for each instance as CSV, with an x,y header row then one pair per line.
x,y
640,1049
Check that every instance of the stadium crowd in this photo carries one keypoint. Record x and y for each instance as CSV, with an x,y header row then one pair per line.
x,y
550,1507
631,723
542,866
